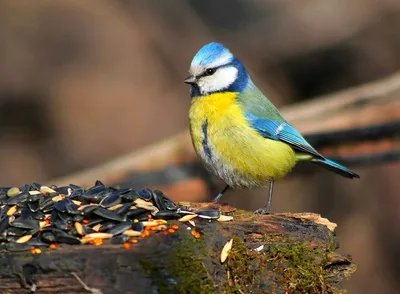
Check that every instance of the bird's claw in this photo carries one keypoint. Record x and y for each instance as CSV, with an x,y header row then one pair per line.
x,y
263,210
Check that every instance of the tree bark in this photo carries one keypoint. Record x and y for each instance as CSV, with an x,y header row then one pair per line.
x,y
296,253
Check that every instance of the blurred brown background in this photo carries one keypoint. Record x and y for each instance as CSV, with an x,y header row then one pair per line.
x,y
82,82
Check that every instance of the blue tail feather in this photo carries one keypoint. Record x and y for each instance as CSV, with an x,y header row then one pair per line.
x,y
335,167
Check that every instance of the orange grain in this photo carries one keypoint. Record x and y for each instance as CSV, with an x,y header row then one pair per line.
x,y
145,234
195,234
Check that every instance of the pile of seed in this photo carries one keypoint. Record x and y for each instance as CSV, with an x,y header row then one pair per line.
x,y
34,216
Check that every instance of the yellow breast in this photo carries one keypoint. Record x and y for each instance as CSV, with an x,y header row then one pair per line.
x,y
230,147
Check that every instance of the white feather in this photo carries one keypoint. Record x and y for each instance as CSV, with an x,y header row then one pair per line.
x,y
198,68
221,79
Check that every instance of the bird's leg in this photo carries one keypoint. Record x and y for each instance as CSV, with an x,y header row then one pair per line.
x,y
269,203
216,199
267,208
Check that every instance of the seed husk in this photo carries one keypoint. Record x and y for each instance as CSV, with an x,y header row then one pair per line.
x,y
209,213
89,209
148,207
187,217
123,209
146,195
166,214
96,227
115,207
43,224
135,212
93,236
61,225
161,227
79,228
120,239
162,221
121,227
158,198
13,191
138,226
17,232
19,199
225,251
93,221
111,200
225,218
12,210
149,223
82,207
107,214
63,237
25,223
142,202
46,190
34,206
24,239
57,198
48,237
132,233
99,236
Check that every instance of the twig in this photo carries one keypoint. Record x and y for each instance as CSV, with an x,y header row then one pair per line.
x,y
86,287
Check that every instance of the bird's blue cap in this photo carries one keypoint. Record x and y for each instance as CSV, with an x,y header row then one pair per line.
x,y
210,53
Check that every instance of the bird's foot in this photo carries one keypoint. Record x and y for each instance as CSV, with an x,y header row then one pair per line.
x,y
263,210
217,198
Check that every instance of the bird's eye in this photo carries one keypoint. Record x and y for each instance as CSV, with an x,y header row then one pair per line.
x,y
210,71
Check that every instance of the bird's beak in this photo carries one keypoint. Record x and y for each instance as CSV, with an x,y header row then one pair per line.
x,y
190,80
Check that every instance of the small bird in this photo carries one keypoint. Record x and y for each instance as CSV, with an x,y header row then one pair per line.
x,y
237,132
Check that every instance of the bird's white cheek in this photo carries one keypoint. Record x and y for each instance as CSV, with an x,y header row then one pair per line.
x,y
222,79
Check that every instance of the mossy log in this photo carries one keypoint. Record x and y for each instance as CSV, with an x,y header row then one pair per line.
x,y
277,253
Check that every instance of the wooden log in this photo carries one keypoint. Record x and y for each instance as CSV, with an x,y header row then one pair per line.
x,y
278,253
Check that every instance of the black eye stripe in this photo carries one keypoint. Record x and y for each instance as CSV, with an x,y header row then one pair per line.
x,y
208,72
204,74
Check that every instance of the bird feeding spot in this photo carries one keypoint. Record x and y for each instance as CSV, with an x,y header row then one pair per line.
x,y
34,216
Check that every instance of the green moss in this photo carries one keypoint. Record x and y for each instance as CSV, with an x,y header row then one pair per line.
x,y
240,212
186,263
192,266
183,269
243,269
275,238
248,216
302,271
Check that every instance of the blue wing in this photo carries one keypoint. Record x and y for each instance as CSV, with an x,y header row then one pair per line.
x,y
281,131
